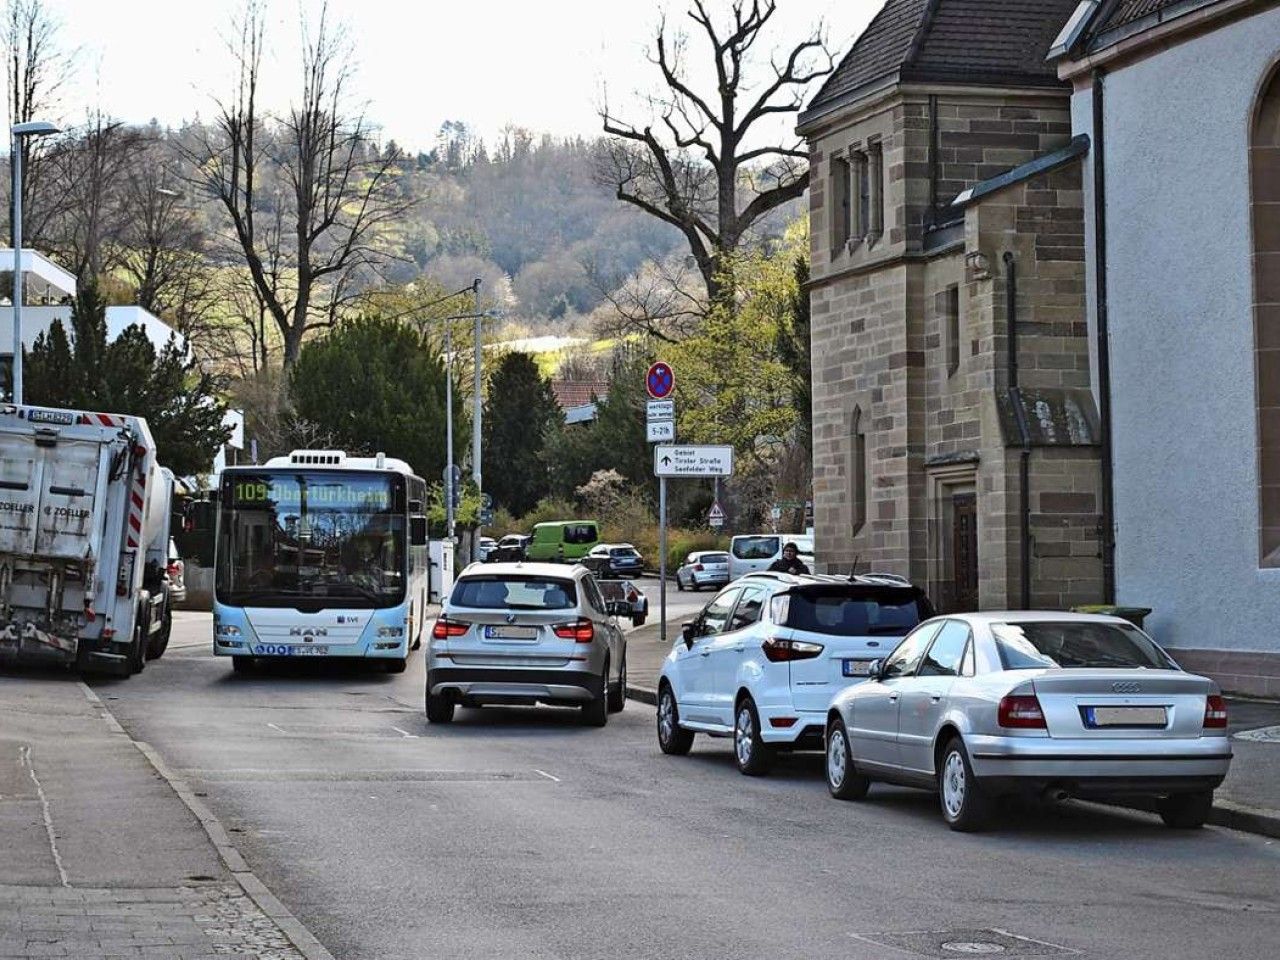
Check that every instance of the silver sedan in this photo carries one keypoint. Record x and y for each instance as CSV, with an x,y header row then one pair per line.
x,y
974,706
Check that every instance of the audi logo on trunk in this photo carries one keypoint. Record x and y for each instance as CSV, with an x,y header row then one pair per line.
x,y
1127,686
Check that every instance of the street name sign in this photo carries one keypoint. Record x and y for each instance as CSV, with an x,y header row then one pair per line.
x,y
661,431
702,460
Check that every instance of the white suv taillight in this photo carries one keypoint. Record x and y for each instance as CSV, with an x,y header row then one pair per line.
x,y
780,650
1215,712
1021,713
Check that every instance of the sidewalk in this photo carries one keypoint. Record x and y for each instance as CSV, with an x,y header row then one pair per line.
x,y
1248,800
103,859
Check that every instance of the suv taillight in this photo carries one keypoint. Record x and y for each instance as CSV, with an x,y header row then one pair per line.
x,y
780,650
1215,713
581,630
699,567
445,628
1021,713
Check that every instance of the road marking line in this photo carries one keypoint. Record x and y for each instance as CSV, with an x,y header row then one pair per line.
x,y
277,729
405,733
543,773
24,757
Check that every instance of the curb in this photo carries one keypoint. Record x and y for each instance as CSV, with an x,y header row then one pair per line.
x,y
1225,813
255,889
642,695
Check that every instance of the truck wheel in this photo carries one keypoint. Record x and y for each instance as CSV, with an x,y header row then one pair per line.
x,y
137,651
160,642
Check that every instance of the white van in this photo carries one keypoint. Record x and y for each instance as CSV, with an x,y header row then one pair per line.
x,y
750,552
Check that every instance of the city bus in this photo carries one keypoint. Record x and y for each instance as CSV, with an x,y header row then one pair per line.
x,y
318,554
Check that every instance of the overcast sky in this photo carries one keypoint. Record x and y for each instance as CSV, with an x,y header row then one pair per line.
x,y
542,65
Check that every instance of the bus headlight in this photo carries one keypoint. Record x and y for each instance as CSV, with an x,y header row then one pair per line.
x,y
391,631
226,630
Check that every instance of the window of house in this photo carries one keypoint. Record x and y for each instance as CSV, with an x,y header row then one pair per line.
x,y
862,173
858,471
951,321
875,189
1264,173
841,213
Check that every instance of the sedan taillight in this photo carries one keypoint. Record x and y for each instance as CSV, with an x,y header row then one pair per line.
x,y
1215,713
698,567
580,631
445,628
1021,713
781,650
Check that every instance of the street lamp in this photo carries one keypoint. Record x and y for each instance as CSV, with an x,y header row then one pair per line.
x,y
35,128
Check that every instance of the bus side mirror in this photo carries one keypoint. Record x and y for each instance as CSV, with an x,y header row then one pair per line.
x,y
418,531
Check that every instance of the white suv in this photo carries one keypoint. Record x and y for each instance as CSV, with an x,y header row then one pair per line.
x,y
763,660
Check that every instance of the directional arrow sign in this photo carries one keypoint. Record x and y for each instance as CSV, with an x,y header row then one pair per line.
x,y
693,461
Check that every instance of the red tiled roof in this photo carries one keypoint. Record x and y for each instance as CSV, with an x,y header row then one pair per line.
x,y
574,393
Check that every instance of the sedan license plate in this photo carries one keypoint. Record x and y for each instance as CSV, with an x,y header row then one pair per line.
x,y
510,633
857,668
1101,717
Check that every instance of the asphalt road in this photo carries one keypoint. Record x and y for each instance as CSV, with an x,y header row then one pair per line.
x,y
519,833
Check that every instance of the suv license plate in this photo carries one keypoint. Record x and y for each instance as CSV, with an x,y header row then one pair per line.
x,y
511,633
857,668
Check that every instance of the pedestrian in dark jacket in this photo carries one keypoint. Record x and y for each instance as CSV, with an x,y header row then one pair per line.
x,y
790,561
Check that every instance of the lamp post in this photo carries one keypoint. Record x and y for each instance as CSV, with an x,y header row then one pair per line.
x,y
36,128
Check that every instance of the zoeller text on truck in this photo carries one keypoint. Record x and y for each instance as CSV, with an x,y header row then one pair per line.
x,y
84,533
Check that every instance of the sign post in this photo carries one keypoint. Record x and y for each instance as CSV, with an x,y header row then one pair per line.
x,y
660,427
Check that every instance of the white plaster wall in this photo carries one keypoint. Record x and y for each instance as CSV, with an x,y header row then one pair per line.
x,y
1180,311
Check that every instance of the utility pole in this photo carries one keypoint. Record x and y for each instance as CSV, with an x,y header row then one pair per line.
x,y
448,430
19,131
477,413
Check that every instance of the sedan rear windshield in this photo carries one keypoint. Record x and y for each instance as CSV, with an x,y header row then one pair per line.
x,y
623,552
1036,646
712,558
514,593
853,611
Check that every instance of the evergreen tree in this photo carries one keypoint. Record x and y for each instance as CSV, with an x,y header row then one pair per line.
x,y
128,375
375,384
520,413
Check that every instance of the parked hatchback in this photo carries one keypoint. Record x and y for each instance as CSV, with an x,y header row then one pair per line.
x,y
978,705
764,658
522,633
703,568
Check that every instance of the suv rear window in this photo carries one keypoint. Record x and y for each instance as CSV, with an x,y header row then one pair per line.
x,y
853,611
624,552
755,548
514,593
1036,646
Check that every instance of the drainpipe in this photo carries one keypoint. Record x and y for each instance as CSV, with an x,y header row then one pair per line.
x,y
1103,348
934,136
1024,431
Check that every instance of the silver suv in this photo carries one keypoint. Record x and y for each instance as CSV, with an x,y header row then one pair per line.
x,y
520,633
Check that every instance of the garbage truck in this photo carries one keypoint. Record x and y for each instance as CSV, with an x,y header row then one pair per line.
x,y
84,532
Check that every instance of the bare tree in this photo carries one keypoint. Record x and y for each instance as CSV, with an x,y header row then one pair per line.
x,y
83,191
333,189
36,68
697,165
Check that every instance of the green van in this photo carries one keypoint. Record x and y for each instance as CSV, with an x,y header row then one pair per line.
x,y
563,540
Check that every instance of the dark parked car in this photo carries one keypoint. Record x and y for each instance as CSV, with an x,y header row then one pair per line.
x,y
614,560
510,549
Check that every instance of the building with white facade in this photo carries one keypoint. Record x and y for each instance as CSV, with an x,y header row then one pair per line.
x,y
1181,102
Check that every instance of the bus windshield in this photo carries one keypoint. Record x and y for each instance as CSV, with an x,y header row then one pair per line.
x,y
332,537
